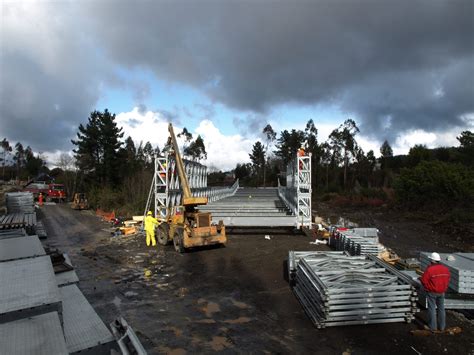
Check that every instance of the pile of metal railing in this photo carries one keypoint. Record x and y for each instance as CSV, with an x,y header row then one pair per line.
x,y
356,241
336,289
18,202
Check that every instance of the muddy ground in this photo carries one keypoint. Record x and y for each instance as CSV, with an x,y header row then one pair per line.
x,y
233,299
407,232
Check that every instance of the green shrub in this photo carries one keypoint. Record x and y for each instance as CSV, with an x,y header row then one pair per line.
x,y
372,193
435,183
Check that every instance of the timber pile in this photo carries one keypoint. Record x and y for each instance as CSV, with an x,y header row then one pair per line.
x,y
337,290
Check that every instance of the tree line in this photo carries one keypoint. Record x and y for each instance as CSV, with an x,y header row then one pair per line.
x,y
20,163
116,171
423,177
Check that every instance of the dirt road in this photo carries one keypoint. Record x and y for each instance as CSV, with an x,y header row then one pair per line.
x,y
233,299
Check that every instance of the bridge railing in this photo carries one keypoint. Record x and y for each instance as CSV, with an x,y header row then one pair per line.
x,y
218,193
289,196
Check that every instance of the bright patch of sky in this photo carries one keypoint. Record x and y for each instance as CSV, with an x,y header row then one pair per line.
x,y
145,105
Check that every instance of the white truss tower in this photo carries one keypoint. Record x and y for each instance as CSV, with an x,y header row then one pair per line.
x,y
161,186
297,192
303,190
167,186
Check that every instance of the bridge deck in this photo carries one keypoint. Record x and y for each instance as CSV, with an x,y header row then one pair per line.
x,y
249,207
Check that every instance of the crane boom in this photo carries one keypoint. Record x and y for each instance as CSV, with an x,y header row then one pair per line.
x,y
188,198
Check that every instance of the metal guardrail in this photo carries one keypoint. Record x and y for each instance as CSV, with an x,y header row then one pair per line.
x,y
289,196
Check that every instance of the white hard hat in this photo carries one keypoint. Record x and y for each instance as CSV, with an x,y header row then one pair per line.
x,y
435,256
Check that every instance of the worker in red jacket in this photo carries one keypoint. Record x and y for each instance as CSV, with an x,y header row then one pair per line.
x,y
435,281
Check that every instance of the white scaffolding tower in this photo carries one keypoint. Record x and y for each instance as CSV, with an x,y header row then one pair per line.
x,y
297,192
303,190
166,186
161,186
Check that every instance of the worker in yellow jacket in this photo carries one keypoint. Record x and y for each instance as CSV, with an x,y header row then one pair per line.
x,y
150,223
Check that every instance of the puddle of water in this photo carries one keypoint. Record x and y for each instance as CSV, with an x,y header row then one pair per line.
x,y
117,302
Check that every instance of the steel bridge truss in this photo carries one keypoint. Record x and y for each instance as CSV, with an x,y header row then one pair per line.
x,y
167,186
297,192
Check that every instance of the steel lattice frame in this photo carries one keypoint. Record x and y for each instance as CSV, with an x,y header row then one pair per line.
x,y
161,186
337,289
167,186
303,186
297,192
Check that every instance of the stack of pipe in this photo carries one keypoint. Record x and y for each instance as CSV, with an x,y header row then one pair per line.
x,y
20,202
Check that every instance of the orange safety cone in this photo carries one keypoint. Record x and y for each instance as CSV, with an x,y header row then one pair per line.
x,y
40,199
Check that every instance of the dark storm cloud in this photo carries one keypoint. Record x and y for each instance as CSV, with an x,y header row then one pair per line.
x,y
170,116
375,59
396,65
50,75
250,125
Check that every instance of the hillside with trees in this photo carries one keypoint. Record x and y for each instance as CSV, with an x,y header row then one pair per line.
x,y
116,172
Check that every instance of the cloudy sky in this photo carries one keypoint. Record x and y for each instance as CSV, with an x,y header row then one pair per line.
x,y
403,70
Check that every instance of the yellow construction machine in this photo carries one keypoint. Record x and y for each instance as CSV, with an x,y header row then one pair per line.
x,y
185,225
80,202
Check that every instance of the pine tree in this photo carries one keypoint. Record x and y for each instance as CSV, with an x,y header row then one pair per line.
x,y
97,152
6,149
196,150
257,157
270,136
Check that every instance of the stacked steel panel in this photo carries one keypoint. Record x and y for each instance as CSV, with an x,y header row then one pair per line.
x,y
20,202
40,312
357,241
461,267
12,233
337,290
28,288
20,248
38,335
83,329
295,256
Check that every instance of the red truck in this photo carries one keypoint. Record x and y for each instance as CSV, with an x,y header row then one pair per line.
x,y
51,192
